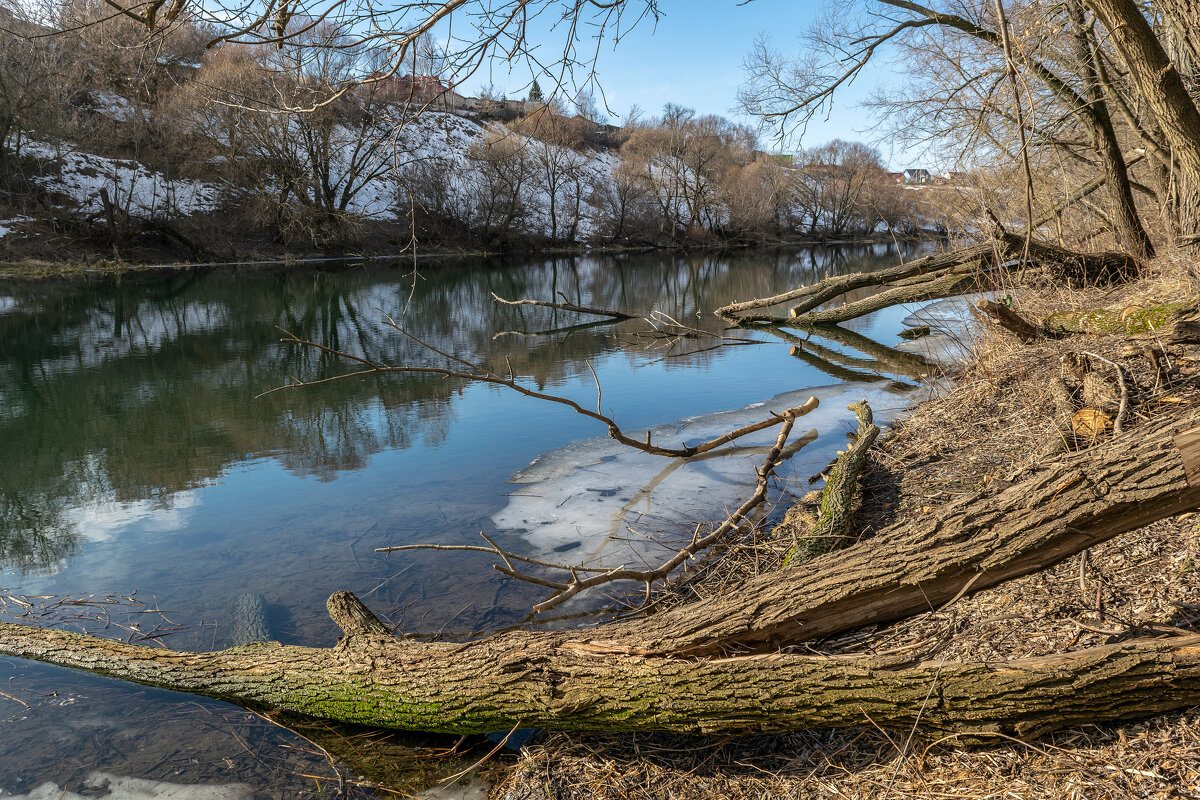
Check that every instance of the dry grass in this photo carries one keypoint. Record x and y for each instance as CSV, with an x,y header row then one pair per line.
x,y
993,421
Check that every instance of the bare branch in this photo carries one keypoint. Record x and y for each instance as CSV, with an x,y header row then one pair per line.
x,y
482,375
564,306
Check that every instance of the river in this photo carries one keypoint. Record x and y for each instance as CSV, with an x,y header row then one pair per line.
x,y
146,483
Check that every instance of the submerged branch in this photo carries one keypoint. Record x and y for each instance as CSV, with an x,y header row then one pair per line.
x,y
578,578
564,306
482,375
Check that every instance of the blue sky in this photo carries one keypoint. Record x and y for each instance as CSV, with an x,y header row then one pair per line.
x,y
693,57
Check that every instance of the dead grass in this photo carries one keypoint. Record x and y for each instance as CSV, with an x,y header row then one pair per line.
x,y
990,423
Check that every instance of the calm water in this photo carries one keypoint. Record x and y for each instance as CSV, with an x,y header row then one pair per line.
x,y
144,482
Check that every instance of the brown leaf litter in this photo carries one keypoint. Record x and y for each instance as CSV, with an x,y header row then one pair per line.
x,y
992,421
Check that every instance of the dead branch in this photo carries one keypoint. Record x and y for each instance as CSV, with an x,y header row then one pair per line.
x,y
936,276
578,579
1010,320
480,374
1123,400
1064,412
564,306
826,290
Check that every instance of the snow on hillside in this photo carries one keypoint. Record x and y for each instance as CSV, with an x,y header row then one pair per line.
x,y
130,185
441,148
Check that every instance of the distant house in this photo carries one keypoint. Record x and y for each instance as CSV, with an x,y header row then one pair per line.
x,y
895,177
917,176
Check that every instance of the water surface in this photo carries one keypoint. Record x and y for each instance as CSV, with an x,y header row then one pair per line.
x,y
143,472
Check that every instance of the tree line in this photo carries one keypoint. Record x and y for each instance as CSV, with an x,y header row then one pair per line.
x,y
307,151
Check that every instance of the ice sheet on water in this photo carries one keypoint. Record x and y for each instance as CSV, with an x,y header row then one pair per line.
x,y
949,339
579,503
116,787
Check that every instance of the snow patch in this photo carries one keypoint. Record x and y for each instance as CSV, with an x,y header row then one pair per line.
x,y
6,226
115,106
146,193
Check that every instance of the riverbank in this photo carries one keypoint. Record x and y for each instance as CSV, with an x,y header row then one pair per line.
x,y
84,266
993,420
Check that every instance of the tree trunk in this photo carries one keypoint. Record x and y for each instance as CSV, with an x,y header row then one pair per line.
x,y
823,291
980,540
1161,88
934,276
526,680
1127,224
644,674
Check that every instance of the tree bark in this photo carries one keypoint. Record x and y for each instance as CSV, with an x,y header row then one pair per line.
x,y
644,674
522,680
1161,87
835,519
1130,321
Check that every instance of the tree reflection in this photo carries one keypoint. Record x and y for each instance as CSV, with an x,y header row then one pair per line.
x,y
133,390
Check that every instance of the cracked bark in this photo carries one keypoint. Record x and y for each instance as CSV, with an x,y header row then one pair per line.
x,y
716,666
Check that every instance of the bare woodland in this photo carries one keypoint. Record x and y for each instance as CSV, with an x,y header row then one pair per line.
x,y
1048,98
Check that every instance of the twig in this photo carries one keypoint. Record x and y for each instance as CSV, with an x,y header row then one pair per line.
x,y
1123,408
499,746
601,312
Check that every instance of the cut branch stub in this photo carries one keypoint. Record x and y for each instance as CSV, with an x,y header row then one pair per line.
x,y
355,619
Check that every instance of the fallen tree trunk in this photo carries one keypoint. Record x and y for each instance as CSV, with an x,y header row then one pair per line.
x,y
823,291
518,680
835,519
946,284
1005,531
1130,321
935,276
643,674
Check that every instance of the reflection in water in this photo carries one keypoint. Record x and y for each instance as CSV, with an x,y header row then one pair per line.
x,y
130,393
137,458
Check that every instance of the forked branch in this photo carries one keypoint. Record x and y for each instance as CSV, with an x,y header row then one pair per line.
x,y
475,372
579,579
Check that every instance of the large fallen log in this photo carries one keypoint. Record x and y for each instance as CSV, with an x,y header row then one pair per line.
x,y
646,674
515,680
935,276
1130,320
1007,530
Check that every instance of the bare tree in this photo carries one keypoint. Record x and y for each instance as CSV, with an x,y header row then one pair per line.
x,y
683,158
956,52
309,168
